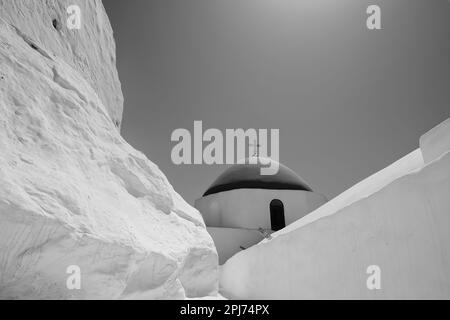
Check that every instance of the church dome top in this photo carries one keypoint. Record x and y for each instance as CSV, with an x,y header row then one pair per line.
x,y
247,175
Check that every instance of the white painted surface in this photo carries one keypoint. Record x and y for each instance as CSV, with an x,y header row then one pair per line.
x,y
250,208
409,163
435,142
398,219
229,241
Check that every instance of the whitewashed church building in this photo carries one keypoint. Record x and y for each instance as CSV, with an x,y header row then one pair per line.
x,y
242,206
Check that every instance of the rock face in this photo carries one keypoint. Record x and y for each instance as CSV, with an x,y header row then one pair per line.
x,y
90,50
78,205
393,225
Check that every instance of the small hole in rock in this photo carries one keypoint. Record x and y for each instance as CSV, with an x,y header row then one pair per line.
x,y
56,24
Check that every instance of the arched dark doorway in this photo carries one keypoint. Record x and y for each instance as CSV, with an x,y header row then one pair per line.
x,y
277,215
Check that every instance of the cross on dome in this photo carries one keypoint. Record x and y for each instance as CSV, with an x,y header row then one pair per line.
x,y
256,147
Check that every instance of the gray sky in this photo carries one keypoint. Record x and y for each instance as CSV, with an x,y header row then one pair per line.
x,y
348,101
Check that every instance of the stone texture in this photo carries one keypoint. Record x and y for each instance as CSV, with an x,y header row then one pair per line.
x,y
72,191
